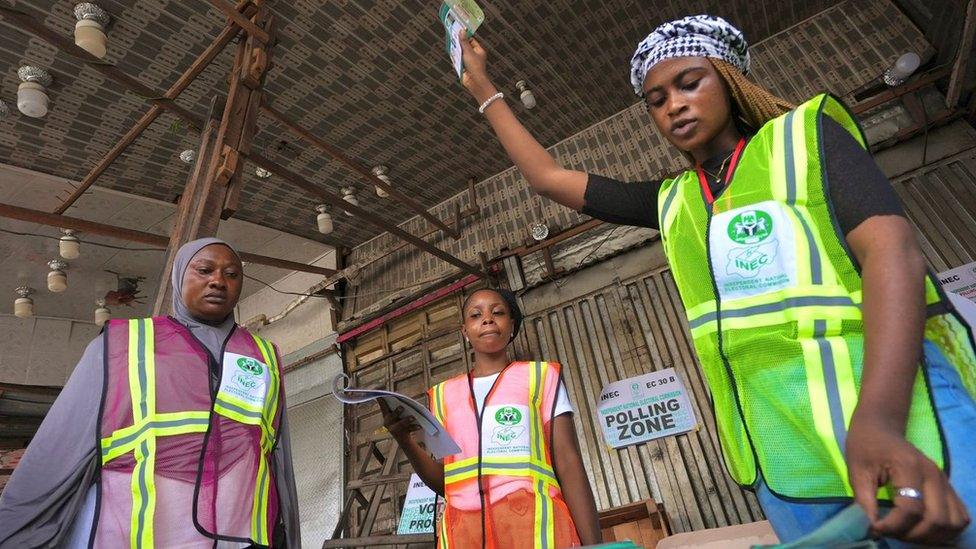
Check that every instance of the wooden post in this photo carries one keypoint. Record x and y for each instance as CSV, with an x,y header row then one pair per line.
x,y
198,211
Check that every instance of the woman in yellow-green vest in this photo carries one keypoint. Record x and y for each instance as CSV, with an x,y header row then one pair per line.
x,y
838,371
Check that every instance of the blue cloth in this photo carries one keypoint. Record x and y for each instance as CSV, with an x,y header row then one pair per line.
x,y
957,414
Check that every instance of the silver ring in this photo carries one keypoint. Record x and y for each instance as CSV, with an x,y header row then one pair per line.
x,y
909,493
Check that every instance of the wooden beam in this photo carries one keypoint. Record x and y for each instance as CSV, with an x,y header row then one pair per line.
x,y
330,198
131,235
241,20
361,170
373,541
959,68
202,62
899,91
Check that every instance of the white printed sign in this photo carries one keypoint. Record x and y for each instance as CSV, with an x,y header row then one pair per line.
x,y
644,408
505,431
752,250
245,379
418,509
961,281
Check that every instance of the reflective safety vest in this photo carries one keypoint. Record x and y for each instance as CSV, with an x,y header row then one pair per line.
x,y
504,449
773,300
186,459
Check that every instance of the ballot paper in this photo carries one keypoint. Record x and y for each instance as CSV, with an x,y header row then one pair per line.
x,y
458,15
433,434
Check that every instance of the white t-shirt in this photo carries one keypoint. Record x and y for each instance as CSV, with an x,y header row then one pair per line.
x,y
483,384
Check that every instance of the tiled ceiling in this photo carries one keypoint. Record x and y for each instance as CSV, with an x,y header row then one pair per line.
x,y
370,77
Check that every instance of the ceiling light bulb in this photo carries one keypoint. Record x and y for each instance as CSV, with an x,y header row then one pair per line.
x,y
57,279
526,95
904,67
324,219
90,28
24,305
349,195
540,231
262,173
32,99
380,173
69,246
102,313
188,156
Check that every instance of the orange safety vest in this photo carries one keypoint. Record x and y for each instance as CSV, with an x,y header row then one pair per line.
x,y
501,490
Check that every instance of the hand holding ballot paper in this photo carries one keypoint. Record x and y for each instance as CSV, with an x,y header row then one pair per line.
x,y
433,435
458,15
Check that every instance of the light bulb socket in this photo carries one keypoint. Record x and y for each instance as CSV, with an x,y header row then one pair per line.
x,y
37,75
262,173
69,246
58,265
24,291
102,313
87,11
322,208
188,156
521,86
540,231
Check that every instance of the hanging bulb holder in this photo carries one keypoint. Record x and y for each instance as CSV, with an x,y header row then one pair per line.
x,y
69,246
904,67
525,94
25,291
349,195
540,231
262,173
380,172
87,11
37,75
58,265
188,156
324,219
322,208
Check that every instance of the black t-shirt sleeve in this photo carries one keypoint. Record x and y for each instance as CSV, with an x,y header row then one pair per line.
x,y
622,203
856,186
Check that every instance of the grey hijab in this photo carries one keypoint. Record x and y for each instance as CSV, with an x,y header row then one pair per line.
x,y
211,335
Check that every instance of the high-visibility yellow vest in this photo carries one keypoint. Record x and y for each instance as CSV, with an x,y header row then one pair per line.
x,y
773,300
185,460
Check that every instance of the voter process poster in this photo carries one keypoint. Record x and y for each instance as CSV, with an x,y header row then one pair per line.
x,y
646,407
418,509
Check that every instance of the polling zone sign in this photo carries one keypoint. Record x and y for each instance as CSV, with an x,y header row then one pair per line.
x,y
644,408
418,509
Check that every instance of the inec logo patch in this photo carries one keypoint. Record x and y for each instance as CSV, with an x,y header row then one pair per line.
x,y
750,227
250,366
508,415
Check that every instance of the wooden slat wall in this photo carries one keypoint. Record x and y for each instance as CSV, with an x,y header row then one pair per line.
x,y
623,330
940,199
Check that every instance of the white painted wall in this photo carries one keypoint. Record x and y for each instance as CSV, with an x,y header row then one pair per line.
x,y
305,324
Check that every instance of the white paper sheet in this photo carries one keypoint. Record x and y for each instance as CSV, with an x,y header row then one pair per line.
x,y
433,435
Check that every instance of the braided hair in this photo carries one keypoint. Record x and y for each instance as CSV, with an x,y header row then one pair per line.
x,y
752,104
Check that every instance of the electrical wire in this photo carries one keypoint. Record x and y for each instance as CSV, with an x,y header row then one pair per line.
x,y
90,243
383,291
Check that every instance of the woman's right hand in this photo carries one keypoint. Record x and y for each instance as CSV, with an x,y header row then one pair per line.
x,y
398,426
475,76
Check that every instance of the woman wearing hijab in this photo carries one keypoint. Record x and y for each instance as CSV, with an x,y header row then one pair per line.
x,y
171,432
787,244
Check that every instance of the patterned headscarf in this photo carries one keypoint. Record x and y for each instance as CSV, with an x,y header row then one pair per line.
x,y
694,36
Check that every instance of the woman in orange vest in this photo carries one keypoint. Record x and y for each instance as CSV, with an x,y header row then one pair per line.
x,y
519,479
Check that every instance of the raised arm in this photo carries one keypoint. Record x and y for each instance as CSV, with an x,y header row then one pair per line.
x,y
544,175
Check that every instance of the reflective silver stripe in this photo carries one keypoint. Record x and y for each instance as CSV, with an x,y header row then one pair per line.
x,y
541,494
143,493
788,303
235,408
141,362
516,465
537,366
830,384
816,268
667,201
152,425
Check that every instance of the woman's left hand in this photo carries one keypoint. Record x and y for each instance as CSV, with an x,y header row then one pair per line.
x,y
877,456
